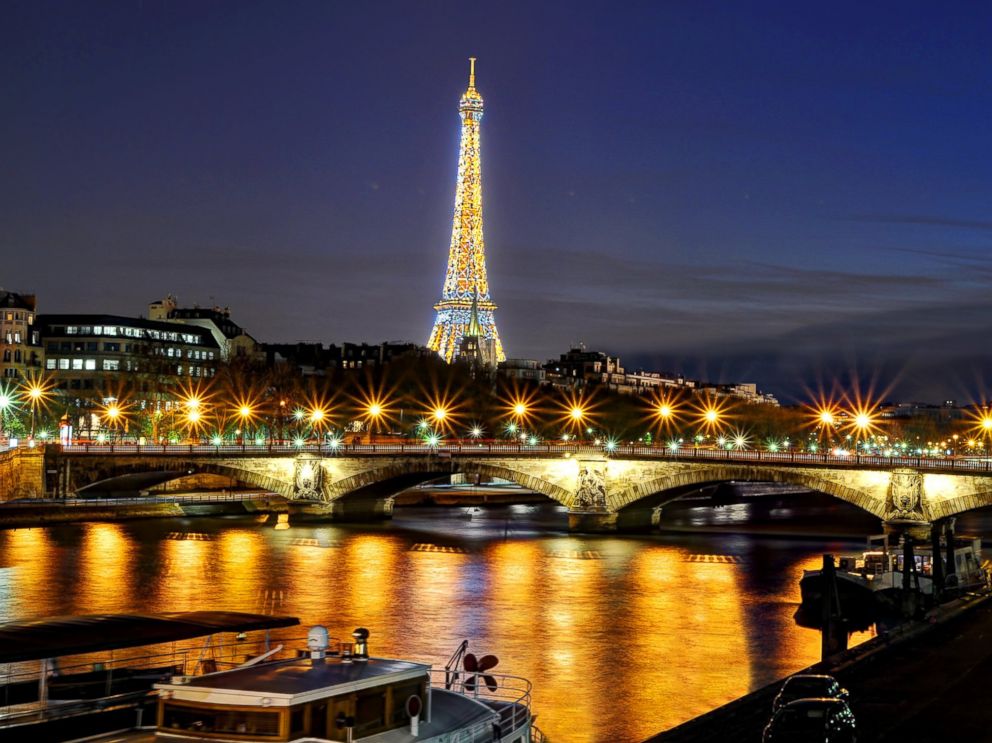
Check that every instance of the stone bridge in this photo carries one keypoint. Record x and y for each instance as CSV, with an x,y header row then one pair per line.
x,y
622,488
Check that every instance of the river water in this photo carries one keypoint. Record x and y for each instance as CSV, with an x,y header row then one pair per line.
x,y
622,636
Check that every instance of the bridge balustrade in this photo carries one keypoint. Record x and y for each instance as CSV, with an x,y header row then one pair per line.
x,y
504,448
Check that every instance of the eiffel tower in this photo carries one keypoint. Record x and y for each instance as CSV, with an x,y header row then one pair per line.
x,y
465,283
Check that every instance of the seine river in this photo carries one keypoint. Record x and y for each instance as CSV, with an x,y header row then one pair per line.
x,y
621,636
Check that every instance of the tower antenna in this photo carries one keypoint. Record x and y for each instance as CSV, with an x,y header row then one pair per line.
x,y
471,72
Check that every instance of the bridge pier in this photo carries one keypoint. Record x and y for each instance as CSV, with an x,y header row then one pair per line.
x,y
592,522
22,473
356,510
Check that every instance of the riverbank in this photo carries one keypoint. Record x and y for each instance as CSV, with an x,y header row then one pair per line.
x,y
45,513
921,681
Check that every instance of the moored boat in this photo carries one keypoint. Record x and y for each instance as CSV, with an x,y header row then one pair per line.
x,y
67,678
339,692
871,582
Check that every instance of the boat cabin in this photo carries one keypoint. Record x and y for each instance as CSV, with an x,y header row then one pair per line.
x,y
282,701
339,695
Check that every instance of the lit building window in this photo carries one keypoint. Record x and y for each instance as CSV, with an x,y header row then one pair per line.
x,y
50,363
77,364
90,365
111,364
63,363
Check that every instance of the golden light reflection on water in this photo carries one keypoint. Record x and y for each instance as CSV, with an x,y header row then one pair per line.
x,y
27,556
106,570
312,581
185,583
621,637
367,580
237,556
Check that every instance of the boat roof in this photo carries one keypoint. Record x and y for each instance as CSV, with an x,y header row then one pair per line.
x,y
295,681
73,635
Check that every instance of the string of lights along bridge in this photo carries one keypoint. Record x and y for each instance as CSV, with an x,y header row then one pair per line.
x,y
466,308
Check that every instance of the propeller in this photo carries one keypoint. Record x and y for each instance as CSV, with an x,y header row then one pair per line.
x,y
475,667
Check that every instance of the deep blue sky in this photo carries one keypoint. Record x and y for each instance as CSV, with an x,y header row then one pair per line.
x,y
770,191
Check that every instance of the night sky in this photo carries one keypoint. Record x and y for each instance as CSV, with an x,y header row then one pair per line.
x,y
764,192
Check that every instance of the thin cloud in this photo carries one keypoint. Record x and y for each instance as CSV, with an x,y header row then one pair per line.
x,y
925,220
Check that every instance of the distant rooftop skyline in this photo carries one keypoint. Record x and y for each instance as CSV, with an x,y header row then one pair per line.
x,y
774,193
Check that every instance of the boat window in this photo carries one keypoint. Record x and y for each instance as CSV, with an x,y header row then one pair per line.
x,y
296,721
243,723
370,712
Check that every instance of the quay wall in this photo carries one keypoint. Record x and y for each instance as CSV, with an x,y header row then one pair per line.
x,y
894,654
43,514
22,473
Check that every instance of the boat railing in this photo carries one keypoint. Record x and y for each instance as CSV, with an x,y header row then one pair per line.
x,y
24,713
180,661
510,698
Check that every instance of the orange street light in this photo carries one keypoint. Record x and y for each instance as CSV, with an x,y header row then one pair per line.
x,y
37,390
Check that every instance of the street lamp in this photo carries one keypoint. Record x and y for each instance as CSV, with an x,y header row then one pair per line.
x,y
246,413
112,414
374,411
6,401
36,392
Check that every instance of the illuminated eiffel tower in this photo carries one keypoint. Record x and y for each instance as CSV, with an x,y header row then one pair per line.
x,y
465,282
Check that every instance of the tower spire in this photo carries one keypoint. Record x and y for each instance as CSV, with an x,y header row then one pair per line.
x,y
474,326
466,305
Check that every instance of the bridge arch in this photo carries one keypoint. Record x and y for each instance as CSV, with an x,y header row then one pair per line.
x,y
703,475
980,498
410,472
100,473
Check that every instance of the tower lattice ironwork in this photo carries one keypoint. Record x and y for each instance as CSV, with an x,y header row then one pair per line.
x,y
465,282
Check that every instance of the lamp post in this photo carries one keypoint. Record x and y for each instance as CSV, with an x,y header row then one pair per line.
x,y
374,414
112,414
35,394
5,403
245,413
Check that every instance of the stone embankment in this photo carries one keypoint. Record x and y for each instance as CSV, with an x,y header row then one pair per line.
x,y
45,512
923,681
22,473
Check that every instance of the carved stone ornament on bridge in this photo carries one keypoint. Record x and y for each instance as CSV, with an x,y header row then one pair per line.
x,y
307,478
591,492
905,502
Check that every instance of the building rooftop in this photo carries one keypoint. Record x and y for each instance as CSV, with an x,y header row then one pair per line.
x,y
50,321
15,301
